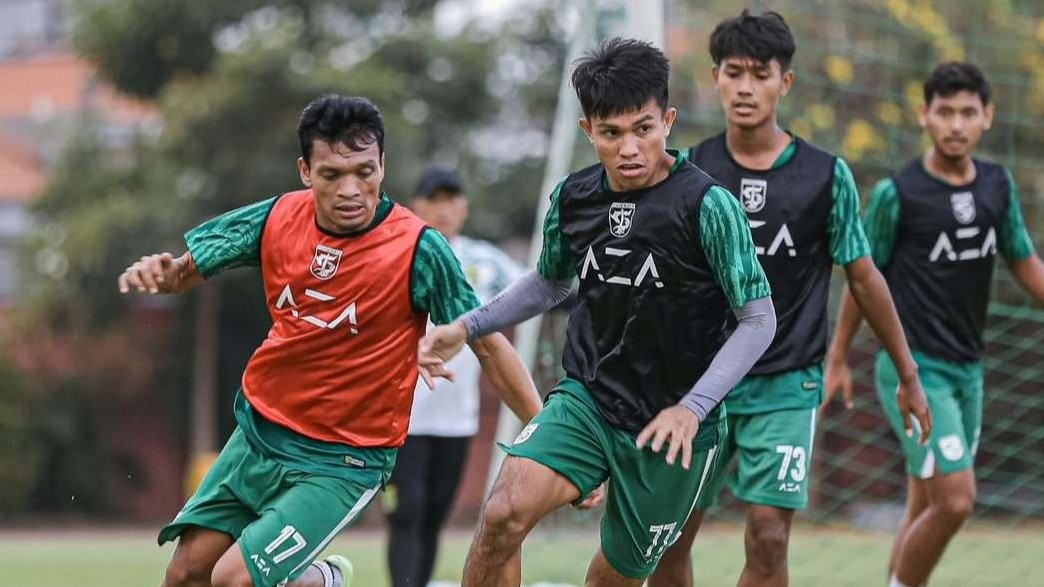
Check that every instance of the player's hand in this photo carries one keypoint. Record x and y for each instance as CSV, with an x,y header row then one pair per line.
x,y
593,499
152,274
430,372
912,401
439,345
676,425
838,377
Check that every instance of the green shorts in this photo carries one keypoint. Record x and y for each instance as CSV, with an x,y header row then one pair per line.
x,y
648,501
954,392
281,518
774,453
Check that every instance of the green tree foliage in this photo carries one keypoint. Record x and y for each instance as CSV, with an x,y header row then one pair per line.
x,y
229,80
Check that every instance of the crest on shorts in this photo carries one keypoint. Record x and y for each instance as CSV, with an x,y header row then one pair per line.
x,y
620,216
325,262
951,447
526,433
963,206
753,193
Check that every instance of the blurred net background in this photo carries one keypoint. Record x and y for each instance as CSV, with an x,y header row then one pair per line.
x,y
860,66
124,122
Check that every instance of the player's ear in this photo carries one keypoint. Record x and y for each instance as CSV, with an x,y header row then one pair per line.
x,y
989,111
668,119
788,82
302,168
585,125
922,115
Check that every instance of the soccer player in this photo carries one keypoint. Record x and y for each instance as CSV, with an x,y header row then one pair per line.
x,y
429,465
350,280
803,209
664,257
935,228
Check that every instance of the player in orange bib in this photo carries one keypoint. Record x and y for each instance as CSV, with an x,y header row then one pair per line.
x,y
350,280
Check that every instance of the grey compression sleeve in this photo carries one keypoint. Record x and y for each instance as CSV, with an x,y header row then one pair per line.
x,y
753,335
528,296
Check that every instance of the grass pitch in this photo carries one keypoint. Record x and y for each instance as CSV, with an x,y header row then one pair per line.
x,y
827,557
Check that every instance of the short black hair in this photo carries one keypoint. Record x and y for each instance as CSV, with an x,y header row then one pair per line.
x,y
762,38
955,76
351,120
621,75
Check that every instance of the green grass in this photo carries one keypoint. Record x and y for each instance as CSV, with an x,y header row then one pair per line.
x,y
818,557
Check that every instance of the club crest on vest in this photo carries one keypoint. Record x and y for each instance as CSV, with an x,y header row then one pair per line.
x,y
620,215
963,206
325,262
753,193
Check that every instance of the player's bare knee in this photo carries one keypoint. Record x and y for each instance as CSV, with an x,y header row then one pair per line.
x,y
228,574
503,518
767,542
958,500
959,506
183,573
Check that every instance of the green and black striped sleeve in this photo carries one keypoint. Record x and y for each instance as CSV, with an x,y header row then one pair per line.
x,y
881,222
437,284
1015,243
556,261
847,239
230,240
726,240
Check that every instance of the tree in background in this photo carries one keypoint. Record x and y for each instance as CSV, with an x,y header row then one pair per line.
x,y
229,80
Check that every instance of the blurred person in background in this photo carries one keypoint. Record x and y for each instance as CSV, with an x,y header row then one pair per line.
x,y
935,228
442,423
351,279
802,205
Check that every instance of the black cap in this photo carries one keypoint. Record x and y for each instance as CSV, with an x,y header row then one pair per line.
x,y
438,179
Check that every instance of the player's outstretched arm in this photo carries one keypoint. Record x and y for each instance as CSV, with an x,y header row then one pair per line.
x,y
870,292
161,273
529,296
509,376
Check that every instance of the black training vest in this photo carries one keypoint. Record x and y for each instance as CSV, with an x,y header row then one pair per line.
x,y
650,316
789,210
942,263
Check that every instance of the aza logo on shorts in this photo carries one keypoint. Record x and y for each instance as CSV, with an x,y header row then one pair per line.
x,y
325,262
526,433
620,216
952,447
753,193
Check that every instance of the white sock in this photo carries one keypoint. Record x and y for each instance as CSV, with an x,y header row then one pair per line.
x,y
331,574
895,582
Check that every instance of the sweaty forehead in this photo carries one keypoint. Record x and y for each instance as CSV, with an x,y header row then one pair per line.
x,y
651,111
340,154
